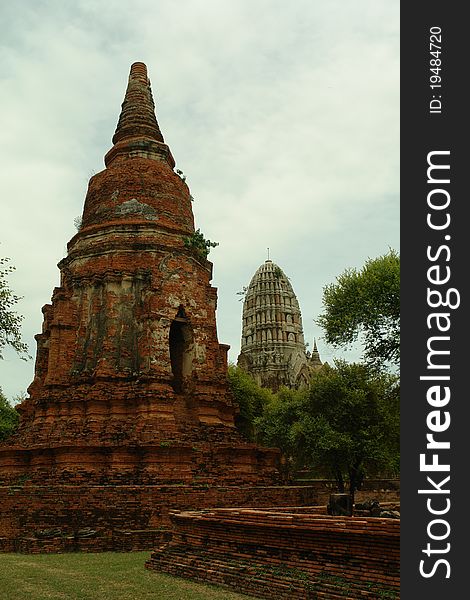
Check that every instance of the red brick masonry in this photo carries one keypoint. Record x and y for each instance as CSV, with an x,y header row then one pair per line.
x,y
282,554
68,518
95,518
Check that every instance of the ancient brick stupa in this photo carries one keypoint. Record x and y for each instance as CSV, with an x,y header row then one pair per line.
x,y
272,345
130,379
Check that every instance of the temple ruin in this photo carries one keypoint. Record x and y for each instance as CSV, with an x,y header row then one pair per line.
x,y
129,419
128,362
273,348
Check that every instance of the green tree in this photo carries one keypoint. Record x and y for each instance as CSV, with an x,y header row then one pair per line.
x,y
275,426
9,418
350,423
345,426
10,321
366,302
251,399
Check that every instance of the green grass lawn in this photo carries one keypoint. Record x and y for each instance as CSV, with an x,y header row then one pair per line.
x,y
106,576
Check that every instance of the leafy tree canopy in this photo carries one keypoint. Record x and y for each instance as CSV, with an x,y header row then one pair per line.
x,y
9,418
366,302
274,426
346,425
10,321
250,397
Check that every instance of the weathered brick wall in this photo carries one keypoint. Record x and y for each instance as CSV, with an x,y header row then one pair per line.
x,y
383,490
281,555
211,459
59,518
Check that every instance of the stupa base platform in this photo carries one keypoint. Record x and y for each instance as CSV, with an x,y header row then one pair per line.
x,y
98,518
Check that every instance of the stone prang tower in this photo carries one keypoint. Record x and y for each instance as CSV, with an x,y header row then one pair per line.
x,y
130,380
272,345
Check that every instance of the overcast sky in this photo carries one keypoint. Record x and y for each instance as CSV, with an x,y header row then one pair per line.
x,y
284,117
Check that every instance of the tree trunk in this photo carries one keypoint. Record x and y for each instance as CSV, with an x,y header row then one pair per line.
x,y
339,481
352,489
355,478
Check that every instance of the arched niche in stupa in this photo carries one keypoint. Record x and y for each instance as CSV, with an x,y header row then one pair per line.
x,y
181,342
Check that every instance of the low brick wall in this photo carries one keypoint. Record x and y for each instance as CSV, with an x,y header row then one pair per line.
x,y
62,518
383,490
285,554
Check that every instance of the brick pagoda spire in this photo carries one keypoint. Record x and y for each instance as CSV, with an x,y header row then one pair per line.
x,y
138,109
130,379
